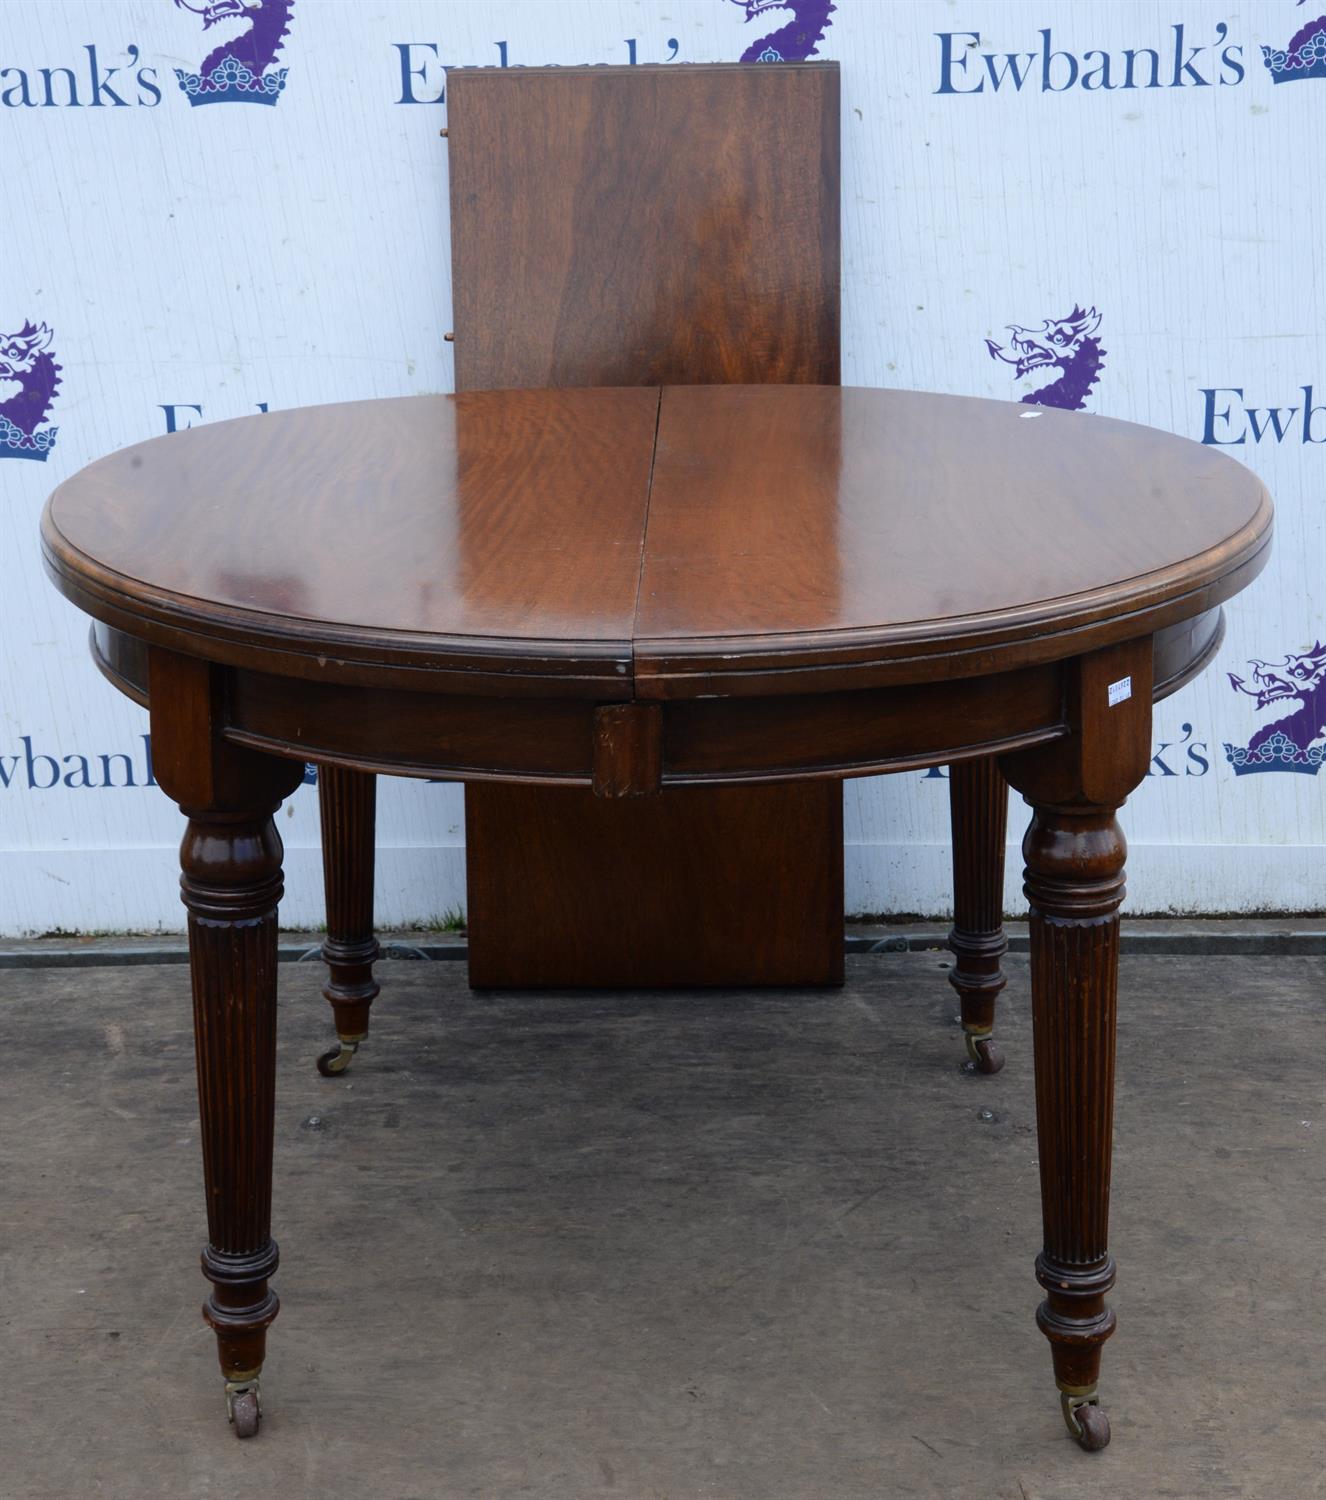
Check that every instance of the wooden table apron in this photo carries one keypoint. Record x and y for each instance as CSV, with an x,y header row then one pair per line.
x,y
639,746
240,701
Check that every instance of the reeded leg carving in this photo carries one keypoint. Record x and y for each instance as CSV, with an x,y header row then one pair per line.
x,y
230,861
1074,883
1074,852
348,803
978,807
231,884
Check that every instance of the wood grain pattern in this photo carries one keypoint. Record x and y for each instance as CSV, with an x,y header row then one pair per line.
x,y
717,886
516,556
644,226
849,558
702,247
487,532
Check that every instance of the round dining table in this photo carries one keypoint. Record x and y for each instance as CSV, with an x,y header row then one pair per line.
x,y
641,590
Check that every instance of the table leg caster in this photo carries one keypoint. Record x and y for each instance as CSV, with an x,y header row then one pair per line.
x,y
243,1407
983,1052
1085,1419
332,1064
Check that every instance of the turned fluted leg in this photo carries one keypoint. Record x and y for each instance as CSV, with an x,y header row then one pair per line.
x,y
231,884
348,803
1074,852
978,808
1074,884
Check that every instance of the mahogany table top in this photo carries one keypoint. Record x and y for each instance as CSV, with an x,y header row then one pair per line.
x,y
649,543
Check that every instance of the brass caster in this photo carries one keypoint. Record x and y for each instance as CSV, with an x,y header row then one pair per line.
x,y
243,1407
332,1064
1085,1419
983,1053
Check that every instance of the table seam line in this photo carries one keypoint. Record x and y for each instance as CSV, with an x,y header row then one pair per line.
x,y
644,537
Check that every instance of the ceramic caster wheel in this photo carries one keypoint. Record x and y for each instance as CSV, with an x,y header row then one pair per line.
x,y
1088,1424
984,1054
245,1414
332,1064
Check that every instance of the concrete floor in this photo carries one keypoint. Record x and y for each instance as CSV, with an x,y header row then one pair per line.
x,y
750,1246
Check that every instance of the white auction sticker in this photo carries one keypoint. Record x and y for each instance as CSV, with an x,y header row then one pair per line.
x,y
1120,691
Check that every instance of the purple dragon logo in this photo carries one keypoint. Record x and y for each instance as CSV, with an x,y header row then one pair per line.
x,y
1304,57
797,39
29,377
1063,355
1289,743
235,71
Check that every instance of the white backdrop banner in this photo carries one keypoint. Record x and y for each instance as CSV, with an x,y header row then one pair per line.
x,y
228,207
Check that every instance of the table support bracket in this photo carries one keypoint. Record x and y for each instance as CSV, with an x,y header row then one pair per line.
x,y
628,749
